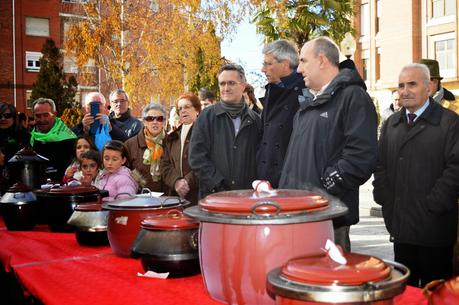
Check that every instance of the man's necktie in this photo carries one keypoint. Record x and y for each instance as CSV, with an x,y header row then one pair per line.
x,y
411,117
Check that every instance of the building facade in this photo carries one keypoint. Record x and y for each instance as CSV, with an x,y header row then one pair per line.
x,y
393,33
24,27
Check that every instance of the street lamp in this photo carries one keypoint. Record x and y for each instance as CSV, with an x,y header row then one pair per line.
x,y
348,45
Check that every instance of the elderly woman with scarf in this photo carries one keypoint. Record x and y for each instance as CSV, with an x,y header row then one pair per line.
x,y
147,147
12,136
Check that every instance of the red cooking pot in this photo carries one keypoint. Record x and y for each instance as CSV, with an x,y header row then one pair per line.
x,y
244,234
319,280
126,215
441,292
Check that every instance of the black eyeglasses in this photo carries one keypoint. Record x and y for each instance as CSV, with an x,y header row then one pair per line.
x,y
6,116
159,118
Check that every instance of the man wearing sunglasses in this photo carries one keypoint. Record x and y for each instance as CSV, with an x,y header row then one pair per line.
x,y
225,136
120,111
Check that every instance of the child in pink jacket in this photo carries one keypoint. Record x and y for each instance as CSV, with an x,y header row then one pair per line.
x,y
116,178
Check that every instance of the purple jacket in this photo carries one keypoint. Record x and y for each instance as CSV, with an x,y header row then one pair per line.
x,y
118,182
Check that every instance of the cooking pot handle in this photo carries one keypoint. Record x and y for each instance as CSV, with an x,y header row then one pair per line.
x,y
174,214
130,196
431,287
146,190
266,205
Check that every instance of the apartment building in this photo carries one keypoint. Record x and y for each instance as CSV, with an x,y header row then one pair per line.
x,y
24,27
393,33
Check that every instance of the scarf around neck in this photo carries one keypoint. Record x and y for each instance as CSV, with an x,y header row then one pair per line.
x,y
59,132
153,152
234,110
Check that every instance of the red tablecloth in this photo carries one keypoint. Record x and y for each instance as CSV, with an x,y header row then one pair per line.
x,y
56,270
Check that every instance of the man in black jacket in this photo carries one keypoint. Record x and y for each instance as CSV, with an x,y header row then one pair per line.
x,y
416,179
121,113
280,104
333,145
224,139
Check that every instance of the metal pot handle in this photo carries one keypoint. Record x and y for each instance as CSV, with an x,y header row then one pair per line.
x,y
254,208
130,196
174,214
146,190
431,287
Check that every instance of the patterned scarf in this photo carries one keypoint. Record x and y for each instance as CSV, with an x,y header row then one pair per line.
x,y
153,153
59,132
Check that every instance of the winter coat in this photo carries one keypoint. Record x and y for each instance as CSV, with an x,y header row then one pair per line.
x,y
12,140
279,106
416,179
170,165
128,124
447,99
115,133
117,183
334,132
220,159
136,147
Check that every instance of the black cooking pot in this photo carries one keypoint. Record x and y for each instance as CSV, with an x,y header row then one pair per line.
x,y
90,223
168,243
28,167
59,203
19,207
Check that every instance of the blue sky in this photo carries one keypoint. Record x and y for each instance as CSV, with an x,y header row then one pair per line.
x,y
245,49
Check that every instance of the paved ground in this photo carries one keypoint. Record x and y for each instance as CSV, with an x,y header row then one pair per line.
x,y
370,236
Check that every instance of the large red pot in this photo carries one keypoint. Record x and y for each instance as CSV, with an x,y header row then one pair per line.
x,y
443,292
245,234
126,215
318,280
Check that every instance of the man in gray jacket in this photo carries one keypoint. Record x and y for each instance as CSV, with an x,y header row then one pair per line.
x,y
333,145
225,136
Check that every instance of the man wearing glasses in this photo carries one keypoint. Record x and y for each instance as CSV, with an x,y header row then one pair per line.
x,y
119,106
279,106
225,136
51,138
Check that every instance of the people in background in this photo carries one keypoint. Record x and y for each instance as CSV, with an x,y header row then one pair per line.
x,y
393,107
116,176
73,171
280,103
147,147
225,136
206,97
13,136
120,111
51,138
250,99
439,93
86,126
416,179
333,145
175,169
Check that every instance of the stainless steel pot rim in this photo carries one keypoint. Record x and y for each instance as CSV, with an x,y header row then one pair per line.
x,y
163,203
335,209
168,257
372,291
92,229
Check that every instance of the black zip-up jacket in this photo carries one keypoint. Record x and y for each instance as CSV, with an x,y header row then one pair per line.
x,y
334,132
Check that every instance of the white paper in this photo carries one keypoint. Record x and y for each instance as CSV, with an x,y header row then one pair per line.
x,y
334,253
154,275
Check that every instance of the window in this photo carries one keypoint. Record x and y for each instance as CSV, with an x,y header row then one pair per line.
x,y
443,8
378,64
33,61
364,20
365,64
29,102
444,53
37,26
378,15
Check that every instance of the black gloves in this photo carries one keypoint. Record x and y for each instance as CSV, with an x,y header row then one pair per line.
x,y
332,181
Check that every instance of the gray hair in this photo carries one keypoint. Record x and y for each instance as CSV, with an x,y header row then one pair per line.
x,y
44,100
421,67
90,95
325,46
153,106
116,92
283,50
234,67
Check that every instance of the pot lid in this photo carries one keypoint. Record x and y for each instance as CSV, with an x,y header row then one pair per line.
x,y
136,203
322,270
19,187
262,203
27,154
174,219
74,190
90,207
